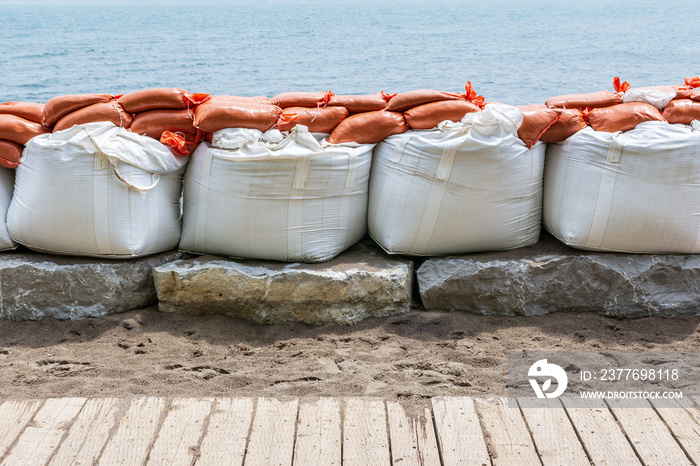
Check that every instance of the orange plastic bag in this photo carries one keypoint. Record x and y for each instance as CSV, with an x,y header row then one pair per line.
x,y
369,127
361,103
27,110
10,153
318,120
598,99
405,100
60,106
213,116
682,111
430,115
17,129
153,123
149,99
537,119
623,117
570,122
110,111
181,143
302,99
239,99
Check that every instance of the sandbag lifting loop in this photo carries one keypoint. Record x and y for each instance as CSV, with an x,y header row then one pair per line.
x,y
139,189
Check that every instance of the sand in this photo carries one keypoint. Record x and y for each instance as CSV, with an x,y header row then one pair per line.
x,y
410,357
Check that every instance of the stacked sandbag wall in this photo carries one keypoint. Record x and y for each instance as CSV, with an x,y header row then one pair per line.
x,y
451,174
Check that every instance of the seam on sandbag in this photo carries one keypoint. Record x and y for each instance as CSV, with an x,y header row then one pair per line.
x,y
605,196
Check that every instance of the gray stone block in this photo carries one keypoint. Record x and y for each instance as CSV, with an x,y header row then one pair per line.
x,y
34,285
361,282
551,277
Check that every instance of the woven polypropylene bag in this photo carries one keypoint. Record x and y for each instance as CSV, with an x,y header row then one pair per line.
x,y
637,191
97,190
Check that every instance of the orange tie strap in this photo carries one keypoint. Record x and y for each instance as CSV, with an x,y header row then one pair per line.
x,y
326,98
693,82
388,96
624,87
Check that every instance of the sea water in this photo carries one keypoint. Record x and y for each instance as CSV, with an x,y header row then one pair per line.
x,y
515,52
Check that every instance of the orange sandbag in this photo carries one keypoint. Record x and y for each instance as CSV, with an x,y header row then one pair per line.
x,y
318,120
537,119
369,127
693,82
405,100
110,111
10,153
361,103
181,143
19,130
598,99
149,99
60,106
695,94
153,123
302,99
213,116
570,122
682,111
239,99
27,110
623,117
430,115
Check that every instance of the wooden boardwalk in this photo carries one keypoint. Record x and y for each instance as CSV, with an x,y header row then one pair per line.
x,y
349,431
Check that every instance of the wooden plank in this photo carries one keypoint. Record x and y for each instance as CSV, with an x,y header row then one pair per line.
x,y
178,440
44,432
89,433
365,437
506,434
135,433
412,437
272,435
554,436
14,416
459,434
318,437
683,419
227,432
600,433
647,433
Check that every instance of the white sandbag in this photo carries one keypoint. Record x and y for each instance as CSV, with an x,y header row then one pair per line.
x,y
463,187
97,190
637,191
655,97
296,200
7,184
